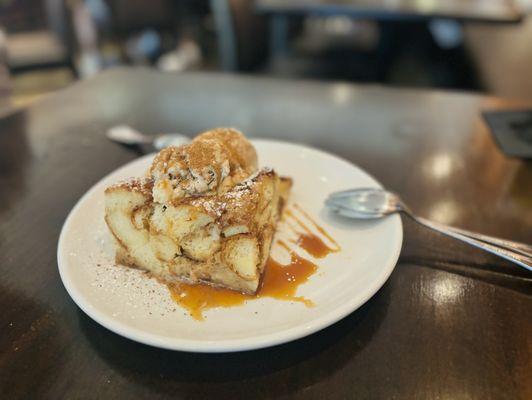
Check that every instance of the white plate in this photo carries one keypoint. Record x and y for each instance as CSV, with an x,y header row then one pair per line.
x,y
129,303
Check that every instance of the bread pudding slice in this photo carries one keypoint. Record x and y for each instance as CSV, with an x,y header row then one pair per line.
x,y
183,228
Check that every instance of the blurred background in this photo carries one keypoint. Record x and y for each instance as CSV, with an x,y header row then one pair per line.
x,y
471,45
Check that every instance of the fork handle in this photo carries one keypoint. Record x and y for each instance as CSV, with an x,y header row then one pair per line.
x,y
522,260
521,248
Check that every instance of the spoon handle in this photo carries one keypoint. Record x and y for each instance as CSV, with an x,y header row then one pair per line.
x,y
511,255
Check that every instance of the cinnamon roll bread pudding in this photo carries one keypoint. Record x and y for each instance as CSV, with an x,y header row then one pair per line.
x,y
205,213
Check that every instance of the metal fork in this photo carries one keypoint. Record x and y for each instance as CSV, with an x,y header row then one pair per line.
x,y
373,203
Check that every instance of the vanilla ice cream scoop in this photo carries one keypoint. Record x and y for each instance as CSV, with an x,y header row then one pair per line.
x,y
213,162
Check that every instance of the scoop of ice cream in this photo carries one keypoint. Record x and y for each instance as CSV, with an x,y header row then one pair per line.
x,y
213,162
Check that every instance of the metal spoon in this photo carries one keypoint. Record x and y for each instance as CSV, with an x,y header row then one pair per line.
x,y
124,134
371,203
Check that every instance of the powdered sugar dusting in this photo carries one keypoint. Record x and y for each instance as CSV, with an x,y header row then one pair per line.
x,y
212,205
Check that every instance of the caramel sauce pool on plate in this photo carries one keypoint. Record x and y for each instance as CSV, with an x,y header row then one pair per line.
x,y
279,281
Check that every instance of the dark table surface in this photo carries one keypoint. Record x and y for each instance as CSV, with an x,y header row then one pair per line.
x,y
482,11
450,323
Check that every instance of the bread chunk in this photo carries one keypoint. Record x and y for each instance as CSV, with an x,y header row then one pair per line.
x,y
216,232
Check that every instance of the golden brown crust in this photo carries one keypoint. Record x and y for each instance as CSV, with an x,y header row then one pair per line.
x,y
241,206
122,257
141,185
236,207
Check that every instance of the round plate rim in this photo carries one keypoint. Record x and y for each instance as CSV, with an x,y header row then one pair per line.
x,y
232,345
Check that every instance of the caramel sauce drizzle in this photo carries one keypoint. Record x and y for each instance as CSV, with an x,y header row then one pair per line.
x,y
313,244
318,228
309,242
279,281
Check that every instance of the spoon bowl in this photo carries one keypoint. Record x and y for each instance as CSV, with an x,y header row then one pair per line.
x,y
128,136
